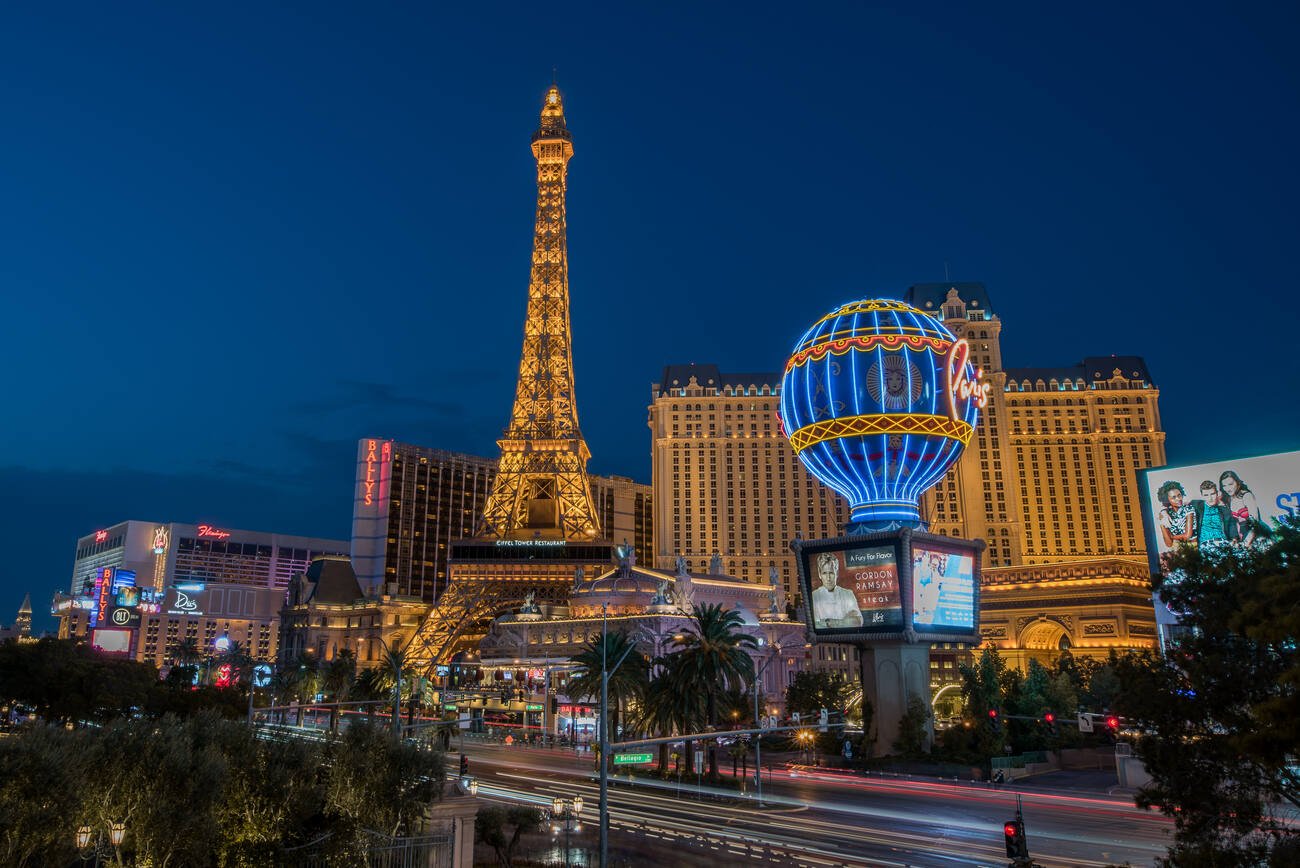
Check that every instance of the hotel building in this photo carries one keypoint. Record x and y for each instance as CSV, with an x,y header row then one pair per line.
x,y
139,587
411,503
1049,479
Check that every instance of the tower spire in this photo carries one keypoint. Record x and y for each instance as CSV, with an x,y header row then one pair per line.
x,y
541,487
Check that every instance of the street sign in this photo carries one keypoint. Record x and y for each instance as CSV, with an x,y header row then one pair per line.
x,y
261,675
1085,723
630,759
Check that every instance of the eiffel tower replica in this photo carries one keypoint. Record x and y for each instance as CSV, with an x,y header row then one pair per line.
x,y
539,529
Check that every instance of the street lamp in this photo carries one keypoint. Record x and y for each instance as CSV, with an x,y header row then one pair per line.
x,y
91,843
805,739
566,812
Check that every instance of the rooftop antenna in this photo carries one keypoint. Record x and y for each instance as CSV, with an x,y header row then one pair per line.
x,y
554,77
946,278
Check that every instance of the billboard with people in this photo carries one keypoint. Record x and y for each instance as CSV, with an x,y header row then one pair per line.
x,y
943,587
1238,502
1224,502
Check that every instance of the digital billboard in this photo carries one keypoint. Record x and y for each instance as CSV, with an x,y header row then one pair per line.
x,y
894,585
855,588
111,641
1238,501
943,587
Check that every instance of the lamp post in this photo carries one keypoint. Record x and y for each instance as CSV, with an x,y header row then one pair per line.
x,y
91,843
605,671
758,739
566,812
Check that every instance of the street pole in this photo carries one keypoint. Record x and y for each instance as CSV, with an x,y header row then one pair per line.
x,y
604,735
605,672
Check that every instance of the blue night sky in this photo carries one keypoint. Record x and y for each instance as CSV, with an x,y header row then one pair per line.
x,y
235,239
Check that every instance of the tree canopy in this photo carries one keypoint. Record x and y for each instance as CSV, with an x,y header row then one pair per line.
x,y
1219,715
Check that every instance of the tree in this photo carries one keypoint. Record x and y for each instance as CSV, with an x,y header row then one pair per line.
x,y
1219,716
337,680
626,684
669,707
375,782
492,826
812,691
712,658
912,733
40,778
396,660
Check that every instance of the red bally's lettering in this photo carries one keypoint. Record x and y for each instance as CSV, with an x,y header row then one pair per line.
x,y
960,386
370,472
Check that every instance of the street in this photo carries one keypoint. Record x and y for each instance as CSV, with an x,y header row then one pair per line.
x,y
821,817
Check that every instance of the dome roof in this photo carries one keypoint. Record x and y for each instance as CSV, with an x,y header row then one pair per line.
x,y
620,580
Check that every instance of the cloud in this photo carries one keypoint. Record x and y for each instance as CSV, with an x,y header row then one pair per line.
x,y
357,395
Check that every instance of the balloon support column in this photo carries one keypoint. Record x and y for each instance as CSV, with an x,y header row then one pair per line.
x,y
878,400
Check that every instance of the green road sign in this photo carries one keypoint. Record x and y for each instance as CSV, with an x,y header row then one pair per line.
x,y
628,759
533,707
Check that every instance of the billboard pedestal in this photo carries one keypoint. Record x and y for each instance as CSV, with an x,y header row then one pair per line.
x,y
891,672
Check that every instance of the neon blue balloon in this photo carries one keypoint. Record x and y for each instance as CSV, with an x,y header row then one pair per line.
x,y
878,400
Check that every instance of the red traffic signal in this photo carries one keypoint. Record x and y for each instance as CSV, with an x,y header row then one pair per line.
x,y
1112,722
1049,718
994,721
1013,833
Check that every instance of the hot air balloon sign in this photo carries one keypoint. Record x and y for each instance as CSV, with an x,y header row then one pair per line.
x,y
878,400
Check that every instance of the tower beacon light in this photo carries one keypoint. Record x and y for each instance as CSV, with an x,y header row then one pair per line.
x,y
878,400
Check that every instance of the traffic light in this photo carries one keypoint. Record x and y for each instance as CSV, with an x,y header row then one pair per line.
x,y
1112,723
464,765
995,721
1013,833
1050,720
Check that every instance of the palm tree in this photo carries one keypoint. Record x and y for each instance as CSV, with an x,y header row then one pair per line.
x,y
713,658
186,652
396,658
669,708
371,685
241,663
337,680
626,683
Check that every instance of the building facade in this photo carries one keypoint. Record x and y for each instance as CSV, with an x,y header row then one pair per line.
x,y
326,611
140,587
1050,479
1086,607
725,479
1051,475
519,673
411,503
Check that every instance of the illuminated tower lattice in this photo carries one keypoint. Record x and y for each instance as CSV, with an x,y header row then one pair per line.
x,y
540,526
542,486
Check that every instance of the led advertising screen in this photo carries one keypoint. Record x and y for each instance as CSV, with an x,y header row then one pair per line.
x,y
943,587
1224,502
886,586
851,586
111,641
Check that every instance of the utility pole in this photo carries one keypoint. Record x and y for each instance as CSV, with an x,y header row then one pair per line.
x,y
758,738
605,672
